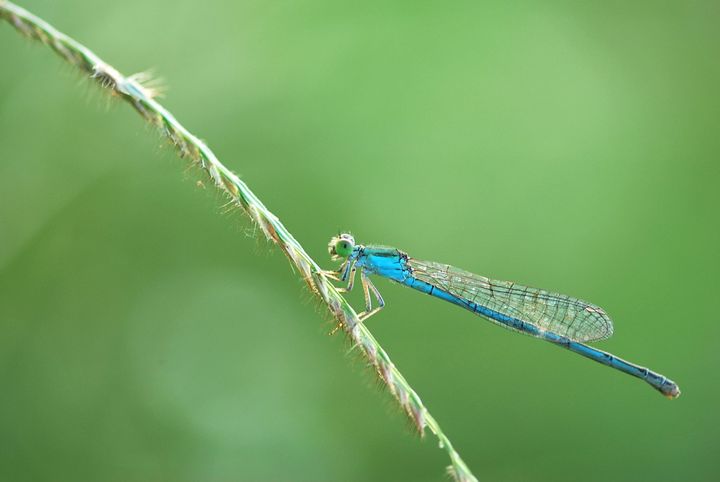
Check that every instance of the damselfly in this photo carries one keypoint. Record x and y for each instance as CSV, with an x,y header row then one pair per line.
x,y
559,319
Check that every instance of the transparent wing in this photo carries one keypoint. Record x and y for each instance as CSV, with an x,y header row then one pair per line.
x,y
560,314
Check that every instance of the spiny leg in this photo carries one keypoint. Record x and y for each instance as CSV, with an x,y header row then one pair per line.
x,y
351,281
333,275
366,295
346,271
367,288
342,273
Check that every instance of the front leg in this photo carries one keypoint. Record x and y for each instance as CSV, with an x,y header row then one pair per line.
x,y
333,275
351,281
346,272
340,274
368,287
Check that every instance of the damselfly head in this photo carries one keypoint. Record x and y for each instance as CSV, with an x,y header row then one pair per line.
x,y
341,246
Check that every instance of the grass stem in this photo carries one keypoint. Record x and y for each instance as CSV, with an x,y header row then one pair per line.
x,y
141,97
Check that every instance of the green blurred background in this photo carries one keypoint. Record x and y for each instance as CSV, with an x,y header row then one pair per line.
x,y
145,336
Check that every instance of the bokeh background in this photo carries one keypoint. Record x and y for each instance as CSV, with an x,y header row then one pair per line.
x,y
146,336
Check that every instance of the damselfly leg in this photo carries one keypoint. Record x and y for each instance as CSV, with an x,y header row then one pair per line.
x,y
347,273
350,279
367,288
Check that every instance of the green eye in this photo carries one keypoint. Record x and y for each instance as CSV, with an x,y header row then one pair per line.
x,y
343,248
340,246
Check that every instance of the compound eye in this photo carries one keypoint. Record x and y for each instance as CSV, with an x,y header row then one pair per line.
x,y
343,248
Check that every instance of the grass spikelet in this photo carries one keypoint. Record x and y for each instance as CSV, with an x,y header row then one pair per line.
x,y
141,93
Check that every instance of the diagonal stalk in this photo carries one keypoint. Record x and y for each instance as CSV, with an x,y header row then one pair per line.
x,y
141,98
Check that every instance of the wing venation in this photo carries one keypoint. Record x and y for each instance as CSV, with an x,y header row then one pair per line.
x,y
561,314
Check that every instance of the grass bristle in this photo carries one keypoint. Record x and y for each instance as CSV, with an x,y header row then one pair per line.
x,y
141,91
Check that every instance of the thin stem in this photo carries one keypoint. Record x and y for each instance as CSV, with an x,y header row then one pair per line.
x,y
141,98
